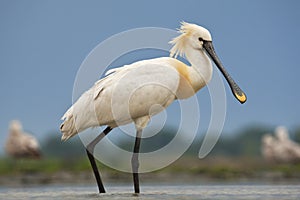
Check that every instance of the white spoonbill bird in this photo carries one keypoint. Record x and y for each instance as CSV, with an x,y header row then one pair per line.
x,y
127,93
280,149
20,144
290,150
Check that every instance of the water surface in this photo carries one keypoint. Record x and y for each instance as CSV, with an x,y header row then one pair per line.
x,y
153,192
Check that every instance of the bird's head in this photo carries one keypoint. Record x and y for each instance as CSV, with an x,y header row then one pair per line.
x,y
191,35
199,39
15,126
281,133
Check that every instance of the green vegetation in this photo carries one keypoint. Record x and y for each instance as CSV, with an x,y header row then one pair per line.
x,y
224,168
51,165
221,168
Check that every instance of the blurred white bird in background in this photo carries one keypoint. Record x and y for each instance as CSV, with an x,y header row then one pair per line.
x,y
280,149
20,144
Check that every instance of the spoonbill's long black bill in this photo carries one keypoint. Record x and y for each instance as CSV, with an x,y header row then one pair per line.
x,y
236,90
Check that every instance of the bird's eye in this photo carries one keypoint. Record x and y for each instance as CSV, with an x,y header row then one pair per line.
x,y
200,39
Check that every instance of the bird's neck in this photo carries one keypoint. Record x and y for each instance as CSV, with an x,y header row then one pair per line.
x,y
14,132
201,64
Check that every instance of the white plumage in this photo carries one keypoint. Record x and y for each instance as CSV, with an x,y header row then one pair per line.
x,y
131,89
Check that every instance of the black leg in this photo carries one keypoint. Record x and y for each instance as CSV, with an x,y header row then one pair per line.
x,y
96,172
135,161
90,150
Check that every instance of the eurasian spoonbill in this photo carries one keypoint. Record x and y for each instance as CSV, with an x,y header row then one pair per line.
x,y
280,149
290,152
20,144
135,88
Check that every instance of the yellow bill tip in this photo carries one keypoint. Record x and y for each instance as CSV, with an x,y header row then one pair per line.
x,y
241,97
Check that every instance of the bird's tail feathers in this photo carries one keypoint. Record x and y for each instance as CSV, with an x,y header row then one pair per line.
x,y
68,128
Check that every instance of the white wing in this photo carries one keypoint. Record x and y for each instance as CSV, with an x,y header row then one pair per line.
x,y
132,90
125,94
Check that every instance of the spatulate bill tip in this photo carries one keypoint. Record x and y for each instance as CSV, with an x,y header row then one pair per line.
x,y
241,97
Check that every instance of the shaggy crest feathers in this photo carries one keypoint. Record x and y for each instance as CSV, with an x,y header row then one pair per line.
x,y
179,43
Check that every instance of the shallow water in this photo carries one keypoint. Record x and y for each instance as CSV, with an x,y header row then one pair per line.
x,y
155,192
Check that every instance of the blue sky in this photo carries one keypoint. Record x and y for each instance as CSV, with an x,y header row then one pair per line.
x,y
43,43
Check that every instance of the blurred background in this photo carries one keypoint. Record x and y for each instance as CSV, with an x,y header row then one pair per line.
x,y
43,43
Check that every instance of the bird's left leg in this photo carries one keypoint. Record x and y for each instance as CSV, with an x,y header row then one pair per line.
x,y
135,161
90,150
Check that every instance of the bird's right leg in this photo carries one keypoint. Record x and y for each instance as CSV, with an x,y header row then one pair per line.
x,y
90,150
135,161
